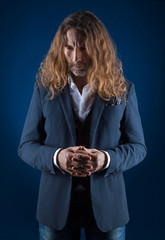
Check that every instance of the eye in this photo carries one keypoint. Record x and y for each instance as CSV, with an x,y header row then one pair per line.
x,y
69,47
82,48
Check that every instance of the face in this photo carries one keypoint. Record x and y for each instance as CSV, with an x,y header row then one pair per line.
x,y
75,53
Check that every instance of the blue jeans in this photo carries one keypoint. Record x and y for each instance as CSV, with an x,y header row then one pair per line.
x,y
91,233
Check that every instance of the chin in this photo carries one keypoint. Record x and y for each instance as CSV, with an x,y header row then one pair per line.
x,y
79,73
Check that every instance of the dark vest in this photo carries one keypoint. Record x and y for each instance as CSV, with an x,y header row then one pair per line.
x,y
81,185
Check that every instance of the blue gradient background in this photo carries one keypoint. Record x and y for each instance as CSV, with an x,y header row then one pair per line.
x,y
27,29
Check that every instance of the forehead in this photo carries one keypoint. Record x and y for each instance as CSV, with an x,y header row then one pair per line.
x,y
75,36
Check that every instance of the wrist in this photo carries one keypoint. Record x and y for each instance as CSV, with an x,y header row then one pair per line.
x,y
58,157
105,159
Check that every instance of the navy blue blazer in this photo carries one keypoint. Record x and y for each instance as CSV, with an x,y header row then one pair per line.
x,y
116,129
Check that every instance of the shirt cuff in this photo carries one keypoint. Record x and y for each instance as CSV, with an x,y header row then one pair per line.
x,y
55,160
108,160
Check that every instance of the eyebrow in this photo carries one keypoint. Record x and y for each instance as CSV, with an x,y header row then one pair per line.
x,y
70,45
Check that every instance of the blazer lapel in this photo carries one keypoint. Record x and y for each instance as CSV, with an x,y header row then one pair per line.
x,y
98,108
68,111
66,104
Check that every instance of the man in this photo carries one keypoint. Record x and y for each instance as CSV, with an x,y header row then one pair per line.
x,y
82,130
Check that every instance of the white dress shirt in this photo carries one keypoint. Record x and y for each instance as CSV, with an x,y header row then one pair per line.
x,y
82,104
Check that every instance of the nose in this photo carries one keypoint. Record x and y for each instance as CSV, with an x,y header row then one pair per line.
x,y
76,55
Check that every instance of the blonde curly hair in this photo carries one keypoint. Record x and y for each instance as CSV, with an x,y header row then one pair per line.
x,y
105,74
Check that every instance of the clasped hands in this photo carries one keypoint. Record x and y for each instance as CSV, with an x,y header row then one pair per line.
x,y
80,161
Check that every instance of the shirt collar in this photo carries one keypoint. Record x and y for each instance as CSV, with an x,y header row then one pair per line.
x,y
73,86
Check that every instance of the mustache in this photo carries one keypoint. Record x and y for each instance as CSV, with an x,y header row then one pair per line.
x,y
78,64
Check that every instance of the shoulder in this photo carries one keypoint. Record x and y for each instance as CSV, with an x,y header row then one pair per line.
x,y
40,89
45,92
130,88
129,85
42,92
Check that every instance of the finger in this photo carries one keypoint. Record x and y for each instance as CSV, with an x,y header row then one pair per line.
x,y
81,165
91,162
81,148
78,168
76,164
75,148
88,167
71,163
92,155
75,172
81,151
79,174
88,173
84,157
81,157
71,168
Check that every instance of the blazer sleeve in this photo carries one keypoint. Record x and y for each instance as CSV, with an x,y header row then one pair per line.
x,y
132,149
32,148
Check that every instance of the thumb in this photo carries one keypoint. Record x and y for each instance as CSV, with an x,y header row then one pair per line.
x,y
81,148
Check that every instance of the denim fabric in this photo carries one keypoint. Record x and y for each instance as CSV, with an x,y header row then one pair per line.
x,y
91,233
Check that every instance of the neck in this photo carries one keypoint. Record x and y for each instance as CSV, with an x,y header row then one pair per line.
x,y
80,82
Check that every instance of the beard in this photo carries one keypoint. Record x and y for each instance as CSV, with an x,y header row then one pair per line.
x,y
78,71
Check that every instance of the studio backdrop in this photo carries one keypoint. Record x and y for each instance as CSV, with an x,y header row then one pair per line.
x,y
27,29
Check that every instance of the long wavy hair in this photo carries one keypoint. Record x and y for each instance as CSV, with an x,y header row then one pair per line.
x,y
105,74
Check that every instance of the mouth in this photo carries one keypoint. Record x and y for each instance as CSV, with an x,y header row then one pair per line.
x,y
80,66
77,65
